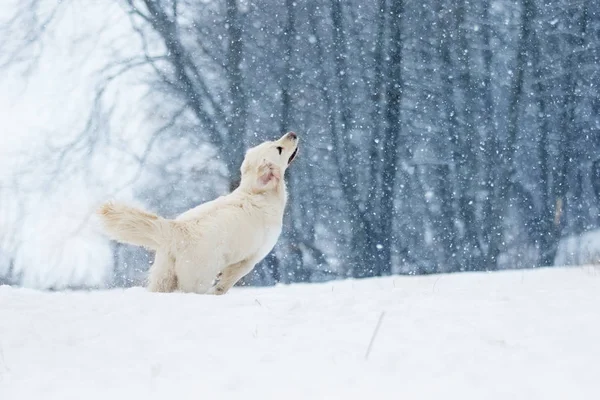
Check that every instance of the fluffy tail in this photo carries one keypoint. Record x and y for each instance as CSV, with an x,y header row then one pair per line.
x,y
129,225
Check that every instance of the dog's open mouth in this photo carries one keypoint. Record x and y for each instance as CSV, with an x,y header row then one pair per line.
x,y
293,156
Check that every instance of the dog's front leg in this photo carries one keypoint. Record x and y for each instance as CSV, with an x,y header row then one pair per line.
x,y
230,275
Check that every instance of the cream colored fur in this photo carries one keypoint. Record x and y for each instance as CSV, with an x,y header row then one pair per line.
x,y
209,248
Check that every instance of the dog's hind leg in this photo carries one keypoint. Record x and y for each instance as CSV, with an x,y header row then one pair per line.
x,y
162,273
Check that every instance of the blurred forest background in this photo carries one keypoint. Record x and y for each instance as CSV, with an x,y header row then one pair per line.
x,y
436,136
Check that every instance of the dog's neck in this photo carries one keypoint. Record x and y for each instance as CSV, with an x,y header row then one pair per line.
x,y
278,192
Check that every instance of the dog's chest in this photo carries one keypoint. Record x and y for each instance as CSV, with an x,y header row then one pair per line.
x,y
271,235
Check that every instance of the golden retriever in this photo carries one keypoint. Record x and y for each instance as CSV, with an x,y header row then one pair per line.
x,y
209,248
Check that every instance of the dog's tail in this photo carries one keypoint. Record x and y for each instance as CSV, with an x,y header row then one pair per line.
x,y
130,225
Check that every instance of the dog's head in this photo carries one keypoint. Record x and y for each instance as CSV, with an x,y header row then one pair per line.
x,y
264,165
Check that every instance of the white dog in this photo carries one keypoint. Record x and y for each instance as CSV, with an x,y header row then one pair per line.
x,y
210,247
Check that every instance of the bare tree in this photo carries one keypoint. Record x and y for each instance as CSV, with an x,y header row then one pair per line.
x,y
436,136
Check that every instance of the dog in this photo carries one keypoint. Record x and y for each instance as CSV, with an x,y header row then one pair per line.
x,y
209,248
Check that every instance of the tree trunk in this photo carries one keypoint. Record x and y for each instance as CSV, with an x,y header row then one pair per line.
x,y
464,155
293,262
394,92
507,153
236,123
491,228
446,187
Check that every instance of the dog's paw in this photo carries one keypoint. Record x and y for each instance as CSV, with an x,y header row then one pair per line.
x,y
220,290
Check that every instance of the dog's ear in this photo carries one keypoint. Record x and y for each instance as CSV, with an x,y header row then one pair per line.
x,y
268,173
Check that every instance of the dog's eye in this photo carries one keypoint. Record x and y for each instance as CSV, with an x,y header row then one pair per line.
x,y
279,149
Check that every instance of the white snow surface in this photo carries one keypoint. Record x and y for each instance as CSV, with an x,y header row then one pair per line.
x,y
508,335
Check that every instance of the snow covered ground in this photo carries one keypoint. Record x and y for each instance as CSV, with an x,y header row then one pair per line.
x,y
531,334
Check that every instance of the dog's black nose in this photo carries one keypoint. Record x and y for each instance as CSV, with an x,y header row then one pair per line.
x,y
292,135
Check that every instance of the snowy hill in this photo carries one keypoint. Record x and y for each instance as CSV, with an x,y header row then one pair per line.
x,y
520,335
